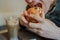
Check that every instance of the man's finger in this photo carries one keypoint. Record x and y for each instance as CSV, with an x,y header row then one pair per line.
x,y
23,19
25,13
35,25
39,18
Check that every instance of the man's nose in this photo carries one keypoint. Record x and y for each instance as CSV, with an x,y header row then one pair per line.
x,y
29,1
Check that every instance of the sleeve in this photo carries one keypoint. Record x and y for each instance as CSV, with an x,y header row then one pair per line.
x,y
55,15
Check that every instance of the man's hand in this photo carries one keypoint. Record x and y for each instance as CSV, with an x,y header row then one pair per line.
x,y
48,29
44,28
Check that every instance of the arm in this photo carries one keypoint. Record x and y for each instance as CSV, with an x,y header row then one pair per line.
x,y
48,28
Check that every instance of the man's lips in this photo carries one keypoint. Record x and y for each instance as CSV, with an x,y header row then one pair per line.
x,y
36,3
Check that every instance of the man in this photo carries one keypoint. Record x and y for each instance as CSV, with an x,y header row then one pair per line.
x,y
48,28
44,4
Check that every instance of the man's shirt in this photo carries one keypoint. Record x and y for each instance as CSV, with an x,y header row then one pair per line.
x,y
55,15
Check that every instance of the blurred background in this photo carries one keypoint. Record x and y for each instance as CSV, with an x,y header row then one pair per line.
x,y
10,8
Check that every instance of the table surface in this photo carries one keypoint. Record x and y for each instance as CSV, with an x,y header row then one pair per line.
x,y
25,35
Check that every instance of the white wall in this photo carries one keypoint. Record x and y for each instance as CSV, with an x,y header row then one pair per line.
x,y
11,7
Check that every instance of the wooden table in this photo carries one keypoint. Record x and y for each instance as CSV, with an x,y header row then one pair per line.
x,y
26,35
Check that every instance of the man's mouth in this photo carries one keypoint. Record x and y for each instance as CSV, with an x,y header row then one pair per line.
x,y
38,5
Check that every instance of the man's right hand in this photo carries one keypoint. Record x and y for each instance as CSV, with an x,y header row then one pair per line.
x,y
44,28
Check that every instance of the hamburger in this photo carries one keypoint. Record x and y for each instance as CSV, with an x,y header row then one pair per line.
x,y
34,11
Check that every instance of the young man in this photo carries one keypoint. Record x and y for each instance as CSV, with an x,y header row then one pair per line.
x,y
48,28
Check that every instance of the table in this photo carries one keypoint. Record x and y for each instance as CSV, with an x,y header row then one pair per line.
x,y
26,35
